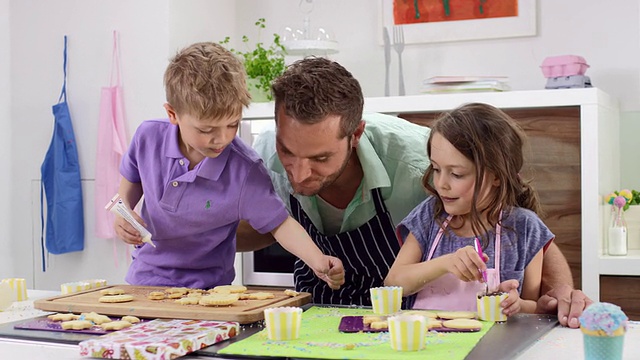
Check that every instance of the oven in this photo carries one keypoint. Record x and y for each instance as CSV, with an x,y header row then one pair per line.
x,y
271,266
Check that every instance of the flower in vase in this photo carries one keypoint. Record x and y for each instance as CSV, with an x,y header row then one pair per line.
x,y
631,197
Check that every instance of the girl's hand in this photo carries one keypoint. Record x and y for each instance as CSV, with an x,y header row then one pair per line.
x,y
513,303
126,231
466,264
331,270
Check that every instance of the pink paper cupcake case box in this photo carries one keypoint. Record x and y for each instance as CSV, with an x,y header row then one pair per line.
x,y
565,65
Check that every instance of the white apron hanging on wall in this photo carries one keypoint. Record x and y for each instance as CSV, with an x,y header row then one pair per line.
x,y
61,183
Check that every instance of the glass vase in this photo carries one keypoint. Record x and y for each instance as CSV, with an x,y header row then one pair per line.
x,y
618,235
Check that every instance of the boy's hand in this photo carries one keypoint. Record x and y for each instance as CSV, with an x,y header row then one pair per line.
x,y
512,304
126,231
466,264
331,270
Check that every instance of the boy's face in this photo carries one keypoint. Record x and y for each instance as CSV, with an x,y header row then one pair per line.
x,y
200,138
454,178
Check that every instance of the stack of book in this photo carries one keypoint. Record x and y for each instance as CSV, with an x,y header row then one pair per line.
x,y
445,84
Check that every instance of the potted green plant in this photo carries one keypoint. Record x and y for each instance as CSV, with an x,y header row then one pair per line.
x,y
262,64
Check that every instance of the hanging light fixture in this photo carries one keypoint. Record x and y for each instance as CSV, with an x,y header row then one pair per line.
x,y
308,40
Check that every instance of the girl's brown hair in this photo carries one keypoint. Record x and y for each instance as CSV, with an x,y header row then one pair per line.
x,y
494,143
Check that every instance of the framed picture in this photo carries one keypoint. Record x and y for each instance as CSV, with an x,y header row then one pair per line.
x,y
431,21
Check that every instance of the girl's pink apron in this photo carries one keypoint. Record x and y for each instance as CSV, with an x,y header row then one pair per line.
x,y
112,143
450,293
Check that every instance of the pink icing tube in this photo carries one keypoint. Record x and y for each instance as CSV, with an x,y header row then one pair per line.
x,y
117,206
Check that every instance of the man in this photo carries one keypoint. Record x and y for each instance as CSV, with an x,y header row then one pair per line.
x,y
350,179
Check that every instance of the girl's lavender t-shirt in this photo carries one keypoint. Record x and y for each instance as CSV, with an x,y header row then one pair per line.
x,y
523,235
193,214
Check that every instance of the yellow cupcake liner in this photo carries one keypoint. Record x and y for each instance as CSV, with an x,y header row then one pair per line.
x,y
18,286
407,332
95,283
489,307
283,323
74,287
386,300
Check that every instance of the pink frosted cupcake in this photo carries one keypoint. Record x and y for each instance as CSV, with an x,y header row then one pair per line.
x,y
603,326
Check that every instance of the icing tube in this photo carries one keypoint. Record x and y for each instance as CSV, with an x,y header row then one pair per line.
x,y
117,206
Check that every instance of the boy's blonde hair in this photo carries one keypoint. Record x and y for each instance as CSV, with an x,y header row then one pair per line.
x,y
207,81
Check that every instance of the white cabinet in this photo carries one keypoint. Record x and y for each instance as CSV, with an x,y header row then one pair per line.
x,y
599,164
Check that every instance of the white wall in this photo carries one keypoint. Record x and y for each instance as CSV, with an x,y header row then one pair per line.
x,y
6,262
152,30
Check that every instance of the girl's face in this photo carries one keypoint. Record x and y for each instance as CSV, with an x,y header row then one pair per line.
x,y
454,178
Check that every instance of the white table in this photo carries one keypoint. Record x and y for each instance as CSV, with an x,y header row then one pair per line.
x,y
561,343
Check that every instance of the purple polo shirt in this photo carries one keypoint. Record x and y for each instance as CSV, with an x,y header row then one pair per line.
x,y
193,214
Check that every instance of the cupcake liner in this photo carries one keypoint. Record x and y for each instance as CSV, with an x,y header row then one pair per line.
x,y
489,307
18,286
74,287
283,323
407,332
7,296
386,300
95,283
603,347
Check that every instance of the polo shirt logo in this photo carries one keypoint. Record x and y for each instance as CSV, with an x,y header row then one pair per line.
x,y
208,205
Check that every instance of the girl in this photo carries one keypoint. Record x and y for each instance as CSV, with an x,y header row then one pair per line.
x,y
477,192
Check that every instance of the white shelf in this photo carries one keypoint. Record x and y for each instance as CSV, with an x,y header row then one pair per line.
x,y
628,265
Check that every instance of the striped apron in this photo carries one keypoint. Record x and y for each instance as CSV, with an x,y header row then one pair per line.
x,y
367,253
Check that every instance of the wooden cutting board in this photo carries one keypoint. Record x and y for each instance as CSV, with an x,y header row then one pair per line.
x,y
242,311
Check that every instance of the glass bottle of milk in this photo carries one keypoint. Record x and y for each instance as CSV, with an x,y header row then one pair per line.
x,y
617,244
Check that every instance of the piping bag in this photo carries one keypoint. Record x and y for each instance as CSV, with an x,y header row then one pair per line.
x,y
484,273
117,206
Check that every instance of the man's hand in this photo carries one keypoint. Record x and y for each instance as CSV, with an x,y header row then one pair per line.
x,y
332,272
566,302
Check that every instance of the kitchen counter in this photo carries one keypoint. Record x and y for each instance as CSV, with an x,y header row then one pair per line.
x,y
548,339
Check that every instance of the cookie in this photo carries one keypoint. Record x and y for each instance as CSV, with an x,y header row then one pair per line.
x,y
96,318
291,293
177,290
189,300
449,315
378,325
261,296
243,296
463,324
433,323
218,299
155,295
175,295
76,324
116,325
427,314
229,288
368,319
115,298
130,319
112,291
63,317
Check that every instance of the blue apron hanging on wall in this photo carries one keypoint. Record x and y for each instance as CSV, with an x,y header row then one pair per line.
x,y
61,183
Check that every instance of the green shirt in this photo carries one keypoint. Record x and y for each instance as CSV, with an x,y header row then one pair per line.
x,y
393,155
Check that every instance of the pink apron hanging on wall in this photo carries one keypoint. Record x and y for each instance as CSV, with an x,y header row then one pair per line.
x,y
112,143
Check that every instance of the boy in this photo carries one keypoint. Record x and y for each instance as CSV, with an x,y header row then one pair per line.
x,y
199,180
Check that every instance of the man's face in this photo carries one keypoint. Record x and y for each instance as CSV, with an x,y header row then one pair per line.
x,y
312,155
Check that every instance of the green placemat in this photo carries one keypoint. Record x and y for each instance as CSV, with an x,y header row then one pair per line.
x,y
320,338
